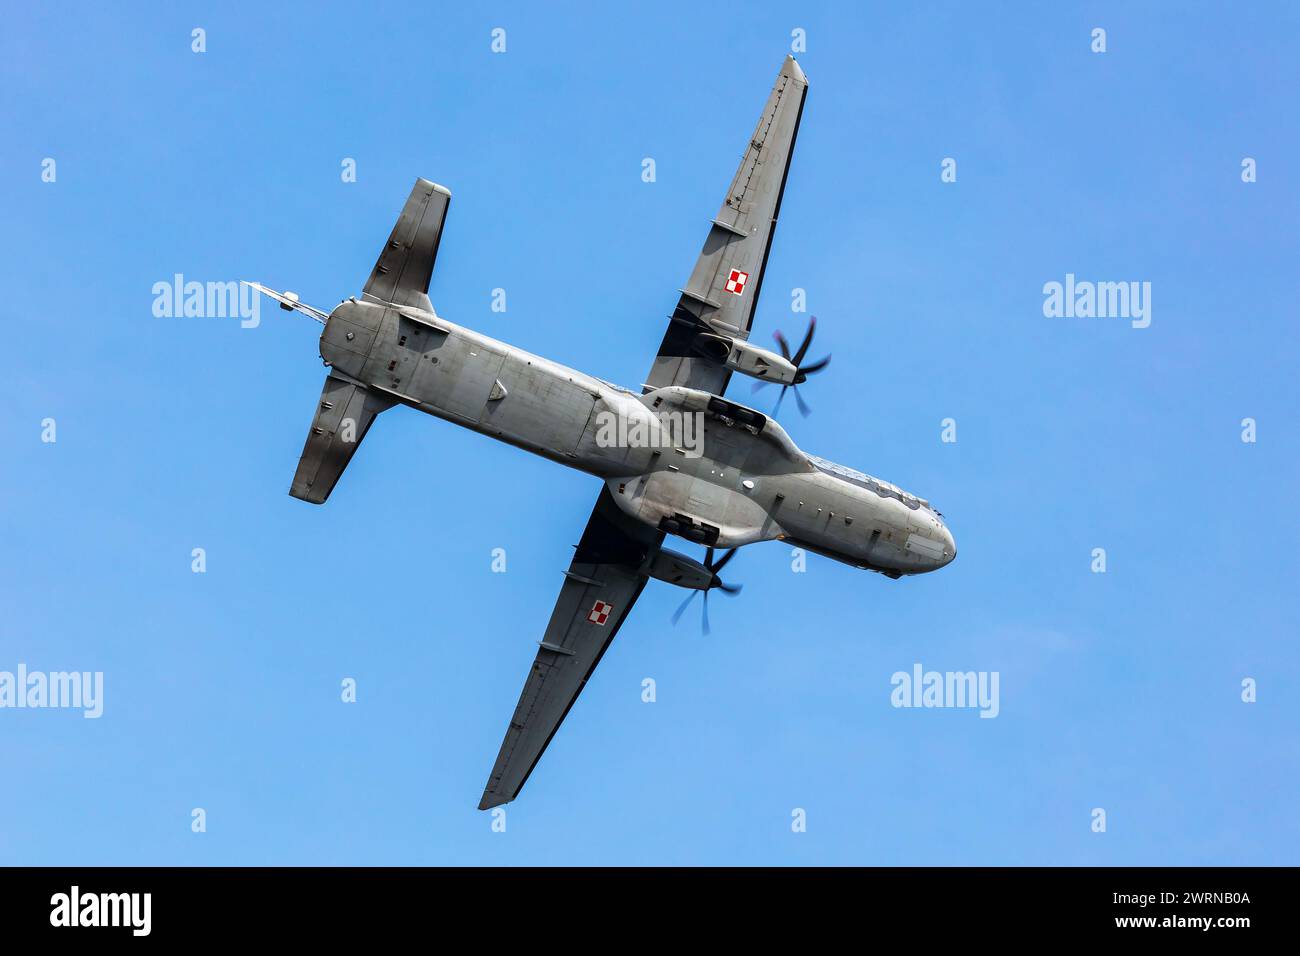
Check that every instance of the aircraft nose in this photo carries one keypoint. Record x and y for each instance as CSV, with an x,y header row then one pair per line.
x,y
949,546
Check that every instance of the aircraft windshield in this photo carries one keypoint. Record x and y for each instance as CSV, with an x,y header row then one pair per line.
x,y
883,488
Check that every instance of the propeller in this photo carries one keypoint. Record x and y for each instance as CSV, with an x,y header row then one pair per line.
x,y
717,583
801,371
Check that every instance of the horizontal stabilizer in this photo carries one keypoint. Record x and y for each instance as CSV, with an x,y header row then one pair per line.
x,y
401,275
343,416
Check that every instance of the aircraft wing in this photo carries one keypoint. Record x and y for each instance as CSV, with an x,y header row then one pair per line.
x,y
724,286
402,273
600,587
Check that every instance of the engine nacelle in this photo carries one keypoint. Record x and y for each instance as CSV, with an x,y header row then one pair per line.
x,y
746,358
680,570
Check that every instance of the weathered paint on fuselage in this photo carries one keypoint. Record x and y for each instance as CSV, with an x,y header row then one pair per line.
x,y
748,483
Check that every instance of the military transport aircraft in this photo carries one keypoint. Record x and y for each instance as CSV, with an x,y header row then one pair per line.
x,y
746,481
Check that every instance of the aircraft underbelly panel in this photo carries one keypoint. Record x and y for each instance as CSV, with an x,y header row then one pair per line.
x,y
452,373
469,392
540,407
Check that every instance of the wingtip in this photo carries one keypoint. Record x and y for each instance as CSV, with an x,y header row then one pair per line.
x,y
431,186
491,800
792,67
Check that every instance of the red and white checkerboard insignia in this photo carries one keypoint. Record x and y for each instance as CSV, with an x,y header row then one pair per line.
x,y
599,613
736,281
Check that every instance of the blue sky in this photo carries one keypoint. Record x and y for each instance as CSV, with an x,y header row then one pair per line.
x,y
1119,690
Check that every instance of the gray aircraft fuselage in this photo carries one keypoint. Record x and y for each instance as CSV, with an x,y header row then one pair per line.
x,y
741,480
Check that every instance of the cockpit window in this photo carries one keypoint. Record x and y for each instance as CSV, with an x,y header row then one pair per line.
x,y
882,488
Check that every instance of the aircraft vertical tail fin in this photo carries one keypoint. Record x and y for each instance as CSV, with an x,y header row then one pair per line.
x,y
343,416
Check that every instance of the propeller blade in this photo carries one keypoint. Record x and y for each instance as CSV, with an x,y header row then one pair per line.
x,y
785,346
705,614
731,590
804,410
779,400
762,382
815,366
715,568
677,615
807,341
